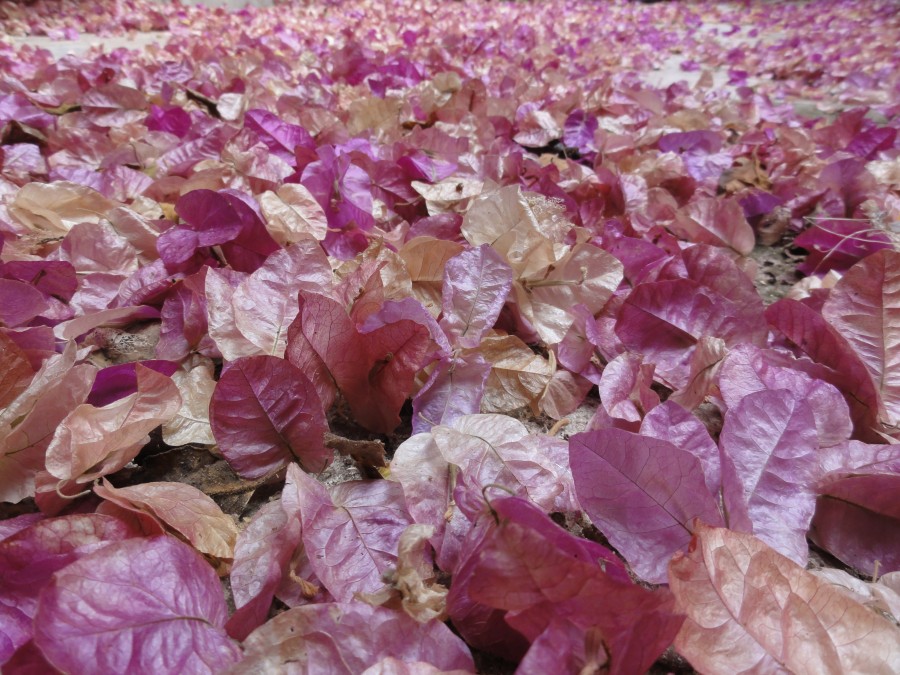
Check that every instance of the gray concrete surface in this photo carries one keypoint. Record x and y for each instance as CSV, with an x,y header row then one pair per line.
x,y
85,42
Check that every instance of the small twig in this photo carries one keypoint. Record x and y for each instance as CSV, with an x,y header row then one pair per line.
x,y
560,424
370,453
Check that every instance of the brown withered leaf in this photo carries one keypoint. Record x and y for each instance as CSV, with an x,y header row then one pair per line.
x,y
15,370
367,454
750,609
746,172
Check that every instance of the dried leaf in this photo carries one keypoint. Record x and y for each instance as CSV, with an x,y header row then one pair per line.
x,y
15,370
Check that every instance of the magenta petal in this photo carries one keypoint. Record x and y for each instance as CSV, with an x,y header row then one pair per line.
x,y
230,219
262,555
352,530
346,638
454,389
32,555
20,303
857,520
476,284
864,308
119,381
664,320
139,606
264,414
769,469
643,494
844,368
670,422
539,574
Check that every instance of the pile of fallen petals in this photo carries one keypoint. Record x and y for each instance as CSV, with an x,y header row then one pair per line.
x,y
422,337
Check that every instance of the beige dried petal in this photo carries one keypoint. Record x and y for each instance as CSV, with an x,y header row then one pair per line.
x,y
191,423
516,225
879,596
115,317
587,275
53,208
92,442
265,303
373,276
538,129
704,371
292,213
750,609
221,318
231,106
372,113
450,194
425,258
886,172
518,376
421,596
804,287
138,229
564,394
181,508
27,424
